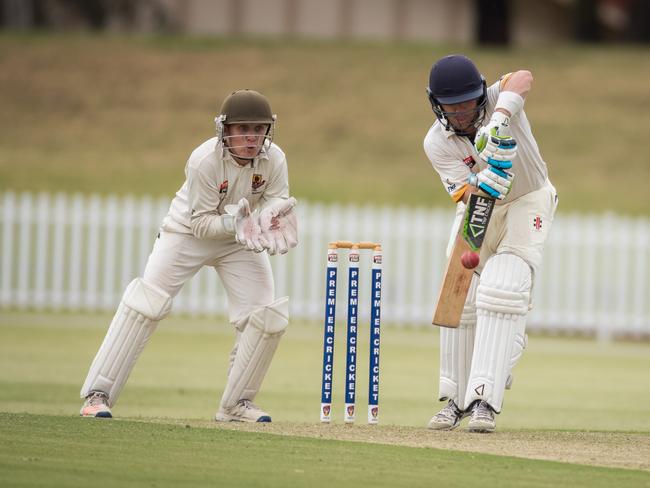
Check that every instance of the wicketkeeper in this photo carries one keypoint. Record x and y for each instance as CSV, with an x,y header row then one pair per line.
x,y
482,140
233,210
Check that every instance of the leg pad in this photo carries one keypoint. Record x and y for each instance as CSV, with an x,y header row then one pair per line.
x,y
456,347
142,307
502,302
257,345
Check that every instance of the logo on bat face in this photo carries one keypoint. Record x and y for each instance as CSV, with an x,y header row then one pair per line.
x,y
257,182
477,216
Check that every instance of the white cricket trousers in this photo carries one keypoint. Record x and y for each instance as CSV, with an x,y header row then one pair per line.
x,y
519,227
245,275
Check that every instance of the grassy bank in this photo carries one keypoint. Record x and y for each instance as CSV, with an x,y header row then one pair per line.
x,y
101,114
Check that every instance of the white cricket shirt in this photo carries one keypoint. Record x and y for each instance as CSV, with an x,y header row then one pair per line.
x,y
214,179
453,156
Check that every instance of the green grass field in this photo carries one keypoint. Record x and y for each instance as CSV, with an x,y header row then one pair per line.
x,y
101,114
577,414
61,451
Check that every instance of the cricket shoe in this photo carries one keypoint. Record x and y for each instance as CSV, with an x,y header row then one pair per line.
x,y
448,418
243,411
482,419
96,405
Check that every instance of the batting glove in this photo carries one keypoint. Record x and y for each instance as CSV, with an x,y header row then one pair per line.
x,y
494,144
493,181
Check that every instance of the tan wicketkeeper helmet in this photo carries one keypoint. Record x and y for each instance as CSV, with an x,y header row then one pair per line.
x,y
245,107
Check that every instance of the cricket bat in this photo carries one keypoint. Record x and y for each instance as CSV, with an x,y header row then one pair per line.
x,y
457,278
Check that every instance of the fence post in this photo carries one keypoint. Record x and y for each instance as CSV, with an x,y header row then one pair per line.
x,y
75,255
94,216
640,306
125,223
42,233
111,222
25,221
8,212
58,253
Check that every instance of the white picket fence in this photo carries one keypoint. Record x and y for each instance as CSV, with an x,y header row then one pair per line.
x,y
77,253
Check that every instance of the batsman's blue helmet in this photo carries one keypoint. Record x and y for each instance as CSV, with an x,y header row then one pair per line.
x,y
455,79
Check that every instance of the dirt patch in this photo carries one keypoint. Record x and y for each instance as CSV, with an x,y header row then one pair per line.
x,y
609,449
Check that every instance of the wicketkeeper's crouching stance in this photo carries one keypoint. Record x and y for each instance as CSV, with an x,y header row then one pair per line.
x,y
232,211
470,154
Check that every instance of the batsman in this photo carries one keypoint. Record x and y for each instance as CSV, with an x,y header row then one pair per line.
x,y
232,211
482,141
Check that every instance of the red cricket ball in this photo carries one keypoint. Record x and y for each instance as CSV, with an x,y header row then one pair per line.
x,y
470,259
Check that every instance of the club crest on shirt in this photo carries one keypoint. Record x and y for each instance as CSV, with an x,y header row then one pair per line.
x,y
223,187
257,182
469,161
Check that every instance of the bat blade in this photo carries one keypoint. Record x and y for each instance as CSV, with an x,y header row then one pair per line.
x,y
454,288
457,278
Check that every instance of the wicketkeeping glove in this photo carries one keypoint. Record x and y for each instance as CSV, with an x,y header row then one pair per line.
x,y
280,226
245,225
